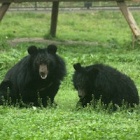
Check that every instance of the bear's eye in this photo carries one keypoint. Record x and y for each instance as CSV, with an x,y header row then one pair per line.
x,y
42,61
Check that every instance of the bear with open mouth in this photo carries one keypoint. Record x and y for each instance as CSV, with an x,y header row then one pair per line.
x,y
36,76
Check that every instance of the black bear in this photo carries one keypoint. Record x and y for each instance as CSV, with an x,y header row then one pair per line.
x,y
37,76
103,82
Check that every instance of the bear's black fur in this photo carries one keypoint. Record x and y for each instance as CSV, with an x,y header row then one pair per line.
x,y
5,87
103,82
37,76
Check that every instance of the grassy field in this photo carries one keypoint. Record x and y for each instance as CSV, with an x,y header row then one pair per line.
x,y
112,45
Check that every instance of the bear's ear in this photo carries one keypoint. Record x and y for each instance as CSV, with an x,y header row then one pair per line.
x,y
32,50
77,66
52,49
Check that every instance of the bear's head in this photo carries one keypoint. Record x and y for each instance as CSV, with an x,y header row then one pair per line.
x,y
43,60
83,79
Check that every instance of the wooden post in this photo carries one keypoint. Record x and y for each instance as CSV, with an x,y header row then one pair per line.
x,y
54,16
129,18
4,7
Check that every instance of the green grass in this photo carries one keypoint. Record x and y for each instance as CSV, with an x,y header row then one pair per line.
x,y
89,26
29,124
65,122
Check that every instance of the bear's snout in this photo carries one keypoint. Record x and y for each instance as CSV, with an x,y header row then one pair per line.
x,y
43,71
81,94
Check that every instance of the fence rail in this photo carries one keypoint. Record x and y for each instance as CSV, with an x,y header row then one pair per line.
x,y
71,5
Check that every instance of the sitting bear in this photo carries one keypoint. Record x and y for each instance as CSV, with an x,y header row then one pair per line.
x,y
36,76
103,82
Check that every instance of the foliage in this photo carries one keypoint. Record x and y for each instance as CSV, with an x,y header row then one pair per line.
x,y
65,122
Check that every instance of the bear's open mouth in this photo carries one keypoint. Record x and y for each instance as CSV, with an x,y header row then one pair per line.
x,y
43,71
43,75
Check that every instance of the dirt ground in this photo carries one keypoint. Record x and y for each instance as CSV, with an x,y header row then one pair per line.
x,y
17,41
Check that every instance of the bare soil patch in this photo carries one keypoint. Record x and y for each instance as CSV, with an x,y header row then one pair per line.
x,y
16,41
